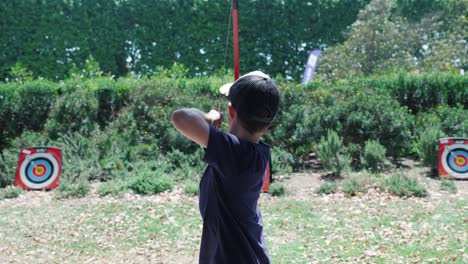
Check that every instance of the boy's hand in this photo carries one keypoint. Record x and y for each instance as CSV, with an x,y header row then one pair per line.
x,y
193,123
215,118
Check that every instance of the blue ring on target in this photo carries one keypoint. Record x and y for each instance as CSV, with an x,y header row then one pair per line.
x,y
49,169
451,160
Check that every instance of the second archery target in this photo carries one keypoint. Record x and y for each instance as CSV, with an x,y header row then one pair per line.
x,y
39,168
453,157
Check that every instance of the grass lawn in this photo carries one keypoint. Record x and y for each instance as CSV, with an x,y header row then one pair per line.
x,y
373,228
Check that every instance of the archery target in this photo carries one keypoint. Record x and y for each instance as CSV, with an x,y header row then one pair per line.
x,y
455,160
39,170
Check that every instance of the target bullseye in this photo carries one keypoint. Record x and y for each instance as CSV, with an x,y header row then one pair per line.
x,y
460,161
39,170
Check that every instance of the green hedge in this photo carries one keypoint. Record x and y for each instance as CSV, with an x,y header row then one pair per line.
x,y
421,93
356,114
25,107
116,126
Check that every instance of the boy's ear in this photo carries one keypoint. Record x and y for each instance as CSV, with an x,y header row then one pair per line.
x,y
231,111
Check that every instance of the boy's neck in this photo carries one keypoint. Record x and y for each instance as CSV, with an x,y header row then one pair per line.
x,y
237,130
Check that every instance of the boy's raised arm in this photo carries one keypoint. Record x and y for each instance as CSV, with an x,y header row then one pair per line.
x,y
193,123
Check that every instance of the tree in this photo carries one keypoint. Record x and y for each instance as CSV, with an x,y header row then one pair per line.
x,y
376,43
381,40
446,47
50,36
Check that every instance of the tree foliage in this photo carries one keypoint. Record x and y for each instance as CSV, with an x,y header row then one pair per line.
x,y
49,37
54,38
402,34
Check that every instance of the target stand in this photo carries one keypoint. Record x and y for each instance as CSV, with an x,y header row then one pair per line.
x,y
267,180
39,168
453,158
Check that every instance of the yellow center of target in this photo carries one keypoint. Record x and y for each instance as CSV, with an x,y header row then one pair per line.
x,y
459,161
39,170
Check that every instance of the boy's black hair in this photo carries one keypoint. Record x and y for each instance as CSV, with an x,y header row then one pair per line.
x,y
255,97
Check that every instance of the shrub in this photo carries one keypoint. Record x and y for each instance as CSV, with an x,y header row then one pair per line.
x,y
88,169
358,183
282,161
327,188
191,187
120,137
30,139
10,192
179,159
277,189
355,151
301,124
332,153
151,182
448,185
427,146
8,164
73,189
80,157
188,173
358,113
402,185
115,170
151,105
114,188
453,119
368,115
185,166
74,112
450,120
373,157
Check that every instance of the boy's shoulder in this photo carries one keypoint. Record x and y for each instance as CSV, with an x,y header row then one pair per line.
x,y
234,141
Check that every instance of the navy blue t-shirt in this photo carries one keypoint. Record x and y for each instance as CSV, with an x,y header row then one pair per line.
x,y
229,191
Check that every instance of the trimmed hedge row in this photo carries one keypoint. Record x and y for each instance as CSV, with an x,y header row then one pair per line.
x,y
116,126
421,93
25,107
77,105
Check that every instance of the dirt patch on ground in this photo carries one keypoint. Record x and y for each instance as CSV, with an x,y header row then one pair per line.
x,y
306,184
302,185
431,181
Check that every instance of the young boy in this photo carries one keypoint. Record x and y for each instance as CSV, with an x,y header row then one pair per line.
x,y
230,186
